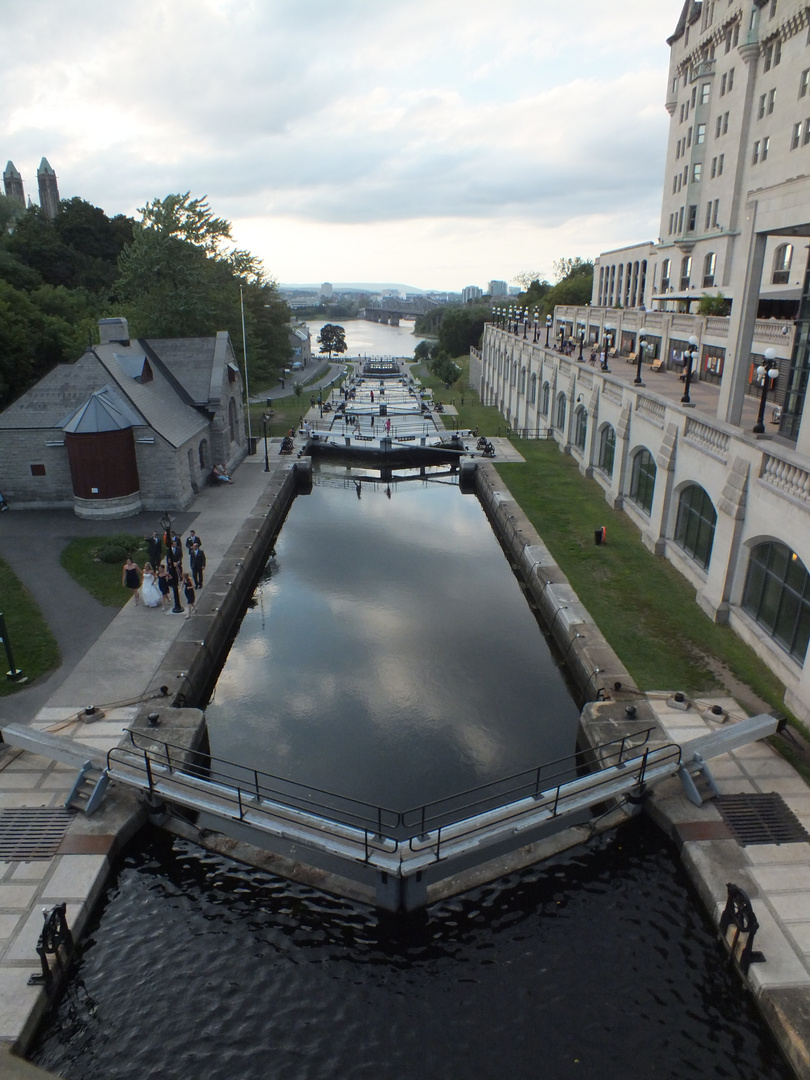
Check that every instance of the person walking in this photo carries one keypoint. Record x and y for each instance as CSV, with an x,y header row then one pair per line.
x,y
154,546
131,578
163,585
191,540
197,564
188,589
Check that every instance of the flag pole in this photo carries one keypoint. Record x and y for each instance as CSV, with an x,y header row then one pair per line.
x,y
244,348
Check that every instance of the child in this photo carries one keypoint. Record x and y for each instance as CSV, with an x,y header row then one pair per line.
x,y
188,589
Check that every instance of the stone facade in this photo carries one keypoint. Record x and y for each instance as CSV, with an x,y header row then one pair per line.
x,y
757,489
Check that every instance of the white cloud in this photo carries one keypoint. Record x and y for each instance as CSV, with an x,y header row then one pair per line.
x,y
467,136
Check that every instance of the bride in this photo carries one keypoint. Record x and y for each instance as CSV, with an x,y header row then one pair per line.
x,y
150,591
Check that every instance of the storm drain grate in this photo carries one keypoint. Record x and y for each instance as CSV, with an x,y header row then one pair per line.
x,y
33,833
761,819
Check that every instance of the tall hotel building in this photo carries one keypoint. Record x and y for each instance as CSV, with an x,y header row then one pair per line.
x,y
727,504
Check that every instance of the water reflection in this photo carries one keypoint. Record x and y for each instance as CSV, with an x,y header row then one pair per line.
x,y
598,966
391,655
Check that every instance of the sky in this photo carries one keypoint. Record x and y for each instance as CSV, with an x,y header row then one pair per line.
x,y
435,143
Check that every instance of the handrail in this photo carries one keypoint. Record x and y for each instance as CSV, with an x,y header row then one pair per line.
x,y
244,788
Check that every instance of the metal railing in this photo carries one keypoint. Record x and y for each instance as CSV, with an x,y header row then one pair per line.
x,y
238,791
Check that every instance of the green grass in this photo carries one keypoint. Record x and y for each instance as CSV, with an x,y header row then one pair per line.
x,y
84,561
471,413
32,644
642,605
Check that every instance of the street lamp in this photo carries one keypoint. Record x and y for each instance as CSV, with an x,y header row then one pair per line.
x,y
536,313
689,355
562,336
607,338
525,322
767,374
166,523
265,418
581,342
549,321
642,334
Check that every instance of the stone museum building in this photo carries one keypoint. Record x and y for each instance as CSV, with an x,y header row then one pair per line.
x,y
131,425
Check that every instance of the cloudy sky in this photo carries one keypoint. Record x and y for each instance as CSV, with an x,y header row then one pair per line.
x,y
438,143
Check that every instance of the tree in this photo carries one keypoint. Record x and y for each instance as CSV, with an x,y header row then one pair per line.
x,y
526,278
714,305
422,352
332,338
462,327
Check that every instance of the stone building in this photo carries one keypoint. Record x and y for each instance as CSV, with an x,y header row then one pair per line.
x,y
130,425
46,182
724,501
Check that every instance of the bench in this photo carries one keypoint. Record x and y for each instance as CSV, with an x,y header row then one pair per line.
x,y
631,358
657,365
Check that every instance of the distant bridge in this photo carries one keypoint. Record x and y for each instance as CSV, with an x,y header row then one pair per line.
x,y
392,310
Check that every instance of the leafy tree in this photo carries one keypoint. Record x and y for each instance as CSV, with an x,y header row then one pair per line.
x,y
332,338
714,305
462,327
526,279
422,351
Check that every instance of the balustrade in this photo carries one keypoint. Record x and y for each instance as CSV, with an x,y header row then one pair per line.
x,y
706,437
651,410
785,476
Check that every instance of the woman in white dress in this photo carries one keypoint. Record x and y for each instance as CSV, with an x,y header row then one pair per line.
x,y
150,592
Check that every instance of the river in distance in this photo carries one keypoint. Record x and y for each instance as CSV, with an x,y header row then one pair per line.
x,y
369,339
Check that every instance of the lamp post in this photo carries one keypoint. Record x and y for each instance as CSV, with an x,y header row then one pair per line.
x,y
562,336
525,322
548,327
607,338
166,523
265,418
690,355
536,328
642,334
581,342
767,374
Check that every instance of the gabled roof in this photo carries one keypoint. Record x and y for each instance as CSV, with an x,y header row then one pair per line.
x,y
103,411
689,12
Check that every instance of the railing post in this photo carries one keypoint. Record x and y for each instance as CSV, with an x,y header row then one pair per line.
x,y
148,770
239,800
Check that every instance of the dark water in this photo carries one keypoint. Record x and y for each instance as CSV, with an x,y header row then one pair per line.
x,y
598,966
391,655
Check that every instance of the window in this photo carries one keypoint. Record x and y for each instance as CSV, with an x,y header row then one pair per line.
x,y
806,136
804,82
697,169
681,117
705,90
795,138
708,215
755,155
686,272
714,213
580,427
694,528
680,220
761,110
692,224
771,100
734,43
725,123
533,390
777,596
727,44
642,480
730,82
718,127
700,134
714,167
709,267
607,449
767,57
665,266
772,11
720,161
559,420
723,79
782,258
766,142
689,137
544,403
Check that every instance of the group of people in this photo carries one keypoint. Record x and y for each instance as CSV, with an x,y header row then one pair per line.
x,y
159,578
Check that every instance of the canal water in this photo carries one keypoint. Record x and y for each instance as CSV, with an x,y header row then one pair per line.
x,y
596,966
389,654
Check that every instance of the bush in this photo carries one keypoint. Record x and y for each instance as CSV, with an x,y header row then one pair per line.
x,y
116,549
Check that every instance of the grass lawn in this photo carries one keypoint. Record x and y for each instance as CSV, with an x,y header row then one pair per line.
x,y
96,563
642,605
33,646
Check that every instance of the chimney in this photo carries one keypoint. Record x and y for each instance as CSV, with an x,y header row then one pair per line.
x,y
113,331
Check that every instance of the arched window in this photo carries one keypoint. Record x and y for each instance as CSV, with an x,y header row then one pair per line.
x,y
709,267
232,419
580,427
782,258
559,419
694,528
203,451
514,372
686,272
642,480
665,269
607,449
522,388
777,596
544,404
533,390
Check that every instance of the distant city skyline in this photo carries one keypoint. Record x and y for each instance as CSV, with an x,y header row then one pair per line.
x,y
420,147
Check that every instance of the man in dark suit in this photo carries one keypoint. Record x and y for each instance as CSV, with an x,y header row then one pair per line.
x,y
197,563
154,546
